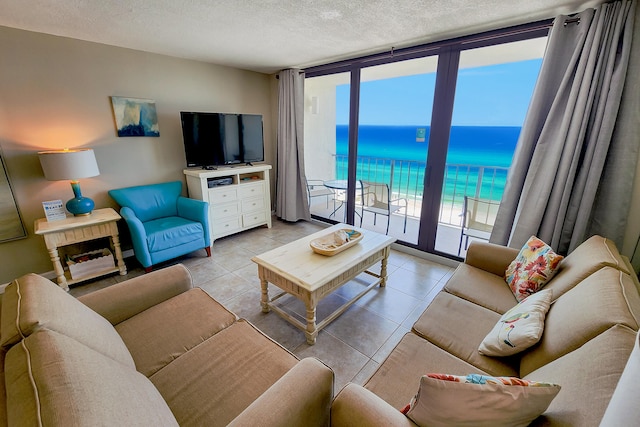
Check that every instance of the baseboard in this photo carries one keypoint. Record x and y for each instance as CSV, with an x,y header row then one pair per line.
x,y
51,275
424,255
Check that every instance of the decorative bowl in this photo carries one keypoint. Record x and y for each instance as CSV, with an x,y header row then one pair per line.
x,y
336,242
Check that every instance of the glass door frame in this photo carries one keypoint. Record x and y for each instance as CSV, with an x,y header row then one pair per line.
x,y
448,53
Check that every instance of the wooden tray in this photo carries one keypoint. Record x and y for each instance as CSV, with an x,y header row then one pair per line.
x,y
326,245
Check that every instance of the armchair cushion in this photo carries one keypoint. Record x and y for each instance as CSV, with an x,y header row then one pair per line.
x,y
168,232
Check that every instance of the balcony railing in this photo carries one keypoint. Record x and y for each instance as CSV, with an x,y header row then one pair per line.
x,y
406,179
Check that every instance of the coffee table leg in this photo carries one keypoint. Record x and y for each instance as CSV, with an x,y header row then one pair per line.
x,y
264,286
383,267
311,333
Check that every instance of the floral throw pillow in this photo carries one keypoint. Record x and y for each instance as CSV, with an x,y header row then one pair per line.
x,y
519,328
478,400
534,266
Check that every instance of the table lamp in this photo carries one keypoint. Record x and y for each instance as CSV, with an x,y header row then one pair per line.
x,y
71,165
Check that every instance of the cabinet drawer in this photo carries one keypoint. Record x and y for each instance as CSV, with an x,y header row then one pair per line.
x,y
225,225
222,195
250,190
253,218
253,204
225,210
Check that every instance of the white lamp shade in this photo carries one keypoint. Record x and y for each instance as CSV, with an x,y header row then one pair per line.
x,y
68,164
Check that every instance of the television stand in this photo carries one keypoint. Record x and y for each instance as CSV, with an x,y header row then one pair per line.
x,y
240,205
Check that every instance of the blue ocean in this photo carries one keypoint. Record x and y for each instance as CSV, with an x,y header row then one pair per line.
x,y
477,159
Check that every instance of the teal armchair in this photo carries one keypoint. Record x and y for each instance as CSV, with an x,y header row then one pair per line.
x,y
163,224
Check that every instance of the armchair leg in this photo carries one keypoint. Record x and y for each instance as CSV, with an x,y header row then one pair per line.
x,y
148,269
208,249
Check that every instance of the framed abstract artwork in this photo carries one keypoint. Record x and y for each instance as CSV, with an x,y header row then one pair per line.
x,y
135,117
11,225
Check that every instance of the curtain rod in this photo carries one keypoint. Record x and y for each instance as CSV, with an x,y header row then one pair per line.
x,y
299,72
574,20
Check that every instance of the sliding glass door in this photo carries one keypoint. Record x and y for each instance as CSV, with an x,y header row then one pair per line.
x,y
401,143
493,89
326,128
396,101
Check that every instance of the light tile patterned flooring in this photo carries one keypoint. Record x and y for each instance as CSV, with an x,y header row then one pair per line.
x,y
356,342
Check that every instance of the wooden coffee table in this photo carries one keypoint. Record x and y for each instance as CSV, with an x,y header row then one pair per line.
x,y
308,276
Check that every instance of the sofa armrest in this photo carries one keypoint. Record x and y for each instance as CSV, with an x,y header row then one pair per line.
x,y
302,397
490,257
124,300
355,406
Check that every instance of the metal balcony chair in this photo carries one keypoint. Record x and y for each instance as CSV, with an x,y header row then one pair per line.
x,y
376,198
478,219
316,188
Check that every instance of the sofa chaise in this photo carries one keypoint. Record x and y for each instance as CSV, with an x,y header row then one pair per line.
x,y
151,350
589,333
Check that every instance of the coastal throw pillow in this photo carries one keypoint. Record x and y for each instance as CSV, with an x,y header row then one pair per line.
x,y
478,400
534,266
519,328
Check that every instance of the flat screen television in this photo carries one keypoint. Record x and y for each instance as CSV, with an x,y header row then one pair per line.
x,y
252,142
215,139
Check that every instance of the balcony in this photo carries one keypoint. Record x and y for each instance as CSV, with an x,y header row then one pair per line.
x,y
406,178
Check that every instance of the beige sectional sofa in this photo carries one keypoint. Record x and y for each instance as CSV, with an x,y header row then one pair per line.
x,y
589,333
148,351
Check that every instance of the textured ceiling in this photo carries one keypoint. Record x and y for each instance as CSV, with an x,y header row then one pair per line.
x,y
269,35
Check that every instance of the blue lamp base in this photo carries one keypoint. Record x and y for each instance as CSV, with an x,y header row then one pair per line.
x,y
79,205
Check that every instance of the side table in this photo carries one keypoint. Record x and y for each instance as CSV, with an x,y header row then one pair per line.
x,y
75,229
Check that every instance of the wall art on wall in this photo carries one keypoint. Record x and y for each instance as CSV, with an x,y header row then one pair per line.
x,y
11,226
135,117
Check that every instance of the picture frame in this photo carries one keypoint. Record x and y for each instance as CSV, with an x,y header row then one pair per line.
x,y
135,116
11,225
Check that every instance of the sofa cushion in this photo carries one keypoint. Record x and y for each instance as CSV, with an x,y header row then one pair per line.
x,y
32,302
461,326
481,287
169,232
592,255
55,380
398,377
588,376
215,381
623,409
169,329
478,400
534,266
519,328
605,298
355,406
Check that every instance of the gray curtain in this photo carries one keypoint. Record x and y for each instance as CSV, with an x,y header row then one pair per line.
x,y
567,170
291,190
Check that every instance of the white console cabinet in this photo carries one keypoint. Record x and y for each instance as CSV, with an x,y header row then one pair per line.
x,y
238,197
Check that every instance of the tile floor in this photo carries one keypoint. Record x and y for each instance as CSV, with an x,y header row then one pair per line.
x,y
356,342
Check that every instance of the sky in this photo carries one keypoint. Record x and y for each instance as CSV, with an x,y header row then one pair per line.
x,y
494,95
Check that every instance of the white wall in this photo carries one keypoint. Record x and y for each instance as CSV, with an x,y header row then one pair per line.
x,y
54,93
